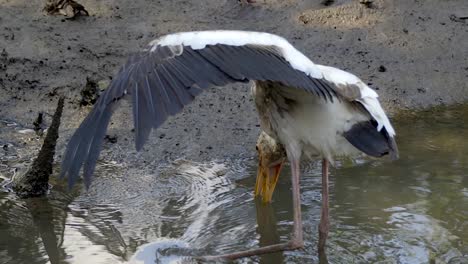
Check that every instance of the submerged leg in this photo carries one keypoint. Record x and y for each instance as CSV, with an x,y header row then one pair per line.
x,y
296,240
324,225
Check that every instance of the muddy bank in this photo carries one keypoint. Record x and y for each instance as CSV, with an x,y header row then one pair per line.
x,y
412,52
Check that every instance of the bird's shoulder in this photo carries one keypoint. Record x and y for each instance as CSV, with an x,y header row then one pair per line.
x,y
346,84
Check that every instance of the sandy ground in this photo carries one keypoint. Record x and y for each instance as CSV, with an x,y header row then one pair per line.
x,y
413,52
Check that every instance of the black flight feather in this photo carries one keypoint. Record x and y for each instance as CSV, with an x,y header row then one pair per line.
x,y
162,81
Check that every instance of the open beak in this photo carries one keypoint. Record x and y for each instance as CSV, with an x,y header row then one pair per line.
x,y
267,177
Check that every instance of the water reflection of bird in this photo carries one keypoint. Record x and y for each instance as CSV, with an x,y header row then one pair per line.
x,y
267,231
305,109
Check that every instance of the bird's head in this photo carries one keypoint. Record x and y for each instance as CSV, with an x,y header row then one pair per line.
x,y
271,157
270,151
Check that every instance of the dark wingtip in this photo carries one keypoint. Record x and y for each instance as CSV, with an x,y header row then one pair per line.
x,y
139,145
85,145
394,153
141,137
87,183
365,137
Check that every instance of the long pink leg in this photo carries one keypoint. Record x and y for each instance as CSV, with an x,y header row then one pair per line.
x,y
324,225
296,240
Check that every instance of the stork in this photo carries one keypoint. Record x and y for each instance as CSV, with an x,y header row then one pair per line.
x,y
305,109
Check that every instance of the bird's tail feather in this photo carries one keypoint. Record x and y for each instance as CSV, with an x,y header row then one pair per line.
x,y
365,137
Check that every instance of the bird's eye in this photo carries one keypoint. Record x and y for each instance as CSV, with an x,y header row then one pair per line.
x,y
256,147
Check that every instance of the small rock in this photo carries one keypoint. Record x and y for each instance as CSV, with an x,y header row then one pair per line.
x,y
3,55
68,8
103,84
26,131
111,139
247,1
90,93
456,18
327,2
382,68
366,3
38,123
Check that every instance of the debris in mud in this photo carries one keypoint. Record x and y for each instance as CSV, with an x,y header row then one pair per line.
x,y
247,1
35,182
53,93
421,90
382,68
366,3
111,139
456,18
68,8
39,123
3,60
90,93
327,2
4,55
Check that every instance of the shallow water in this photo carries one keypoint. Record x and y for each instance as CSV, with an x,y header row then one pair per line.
x,y
414,210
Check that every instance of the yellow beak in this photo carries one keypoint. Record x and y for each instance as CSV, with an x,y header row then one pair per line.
x,y
267,177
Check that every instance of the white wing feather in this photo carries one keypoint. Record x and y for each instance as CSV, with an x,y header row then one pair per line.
x,y
369,98
199,40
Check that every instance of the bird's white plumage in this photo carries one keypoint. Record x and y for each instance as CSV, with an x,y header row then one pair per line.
x,y
369,98
200,39
312,127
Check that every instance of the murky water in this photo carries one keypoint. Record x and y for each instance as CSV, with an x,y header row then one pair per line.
x,y
414,210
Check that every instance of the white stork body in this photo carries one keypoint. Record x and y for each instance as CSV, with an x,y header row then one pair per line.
x,y
308,125
308,109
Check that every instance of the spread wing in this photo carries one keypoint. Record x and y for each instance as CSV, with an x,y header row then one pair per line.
x,y
174,69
